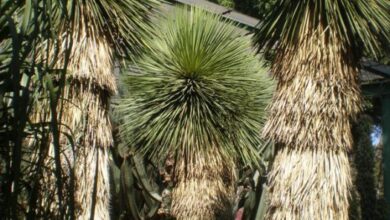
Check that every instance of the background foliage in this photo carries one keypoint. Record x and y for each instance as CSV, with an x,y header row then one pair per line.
x,y
367,194
25,78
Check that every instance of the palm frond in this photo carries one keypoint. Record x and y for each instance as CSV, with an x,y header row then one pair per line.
x,y
199,87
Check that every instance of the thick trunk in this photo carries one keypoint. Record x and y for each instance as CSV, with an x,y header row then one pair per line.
x,y
84,118
311,184
86,114
204,189
92,184
316,97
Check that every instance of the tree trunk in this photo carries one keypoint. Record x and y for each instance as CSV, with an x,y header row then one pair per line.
x,y
86,114
204,188
84,118
317,95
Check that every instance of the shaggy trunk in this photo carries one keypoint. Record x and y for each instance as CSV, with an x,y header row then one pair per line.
x,y
84,116
317,94
87,116
204,188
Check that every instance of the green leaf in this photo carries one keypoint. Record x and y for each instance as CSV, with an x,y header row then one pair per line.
x,y
359,24
144,180
198,87
127,189
27,16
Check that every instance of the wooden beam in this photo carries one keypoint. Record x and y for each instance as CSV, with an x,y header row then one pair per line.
x,y
228,13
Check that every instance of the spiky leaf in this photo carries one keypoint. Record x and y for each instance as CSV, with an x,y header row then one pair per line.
x,y
358,24
199,87
124,22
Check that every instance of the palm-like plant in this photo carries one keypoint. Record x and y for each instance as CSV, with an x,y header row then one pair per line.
x,y
318,45
99,30
196,97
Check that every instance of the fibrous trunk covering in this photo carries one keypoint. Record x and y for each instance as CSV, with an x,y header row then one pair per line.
x,y
317,94
204,187
93,82
85,118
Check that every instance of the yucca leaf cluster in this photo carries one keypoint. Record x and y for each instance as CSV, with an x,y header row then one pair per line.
x,y
198,87
360,25
123,23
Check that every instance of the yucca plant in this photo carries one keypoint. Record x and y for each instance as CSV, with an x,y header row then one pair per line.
x,y
102,29
318,45
80,40
197,98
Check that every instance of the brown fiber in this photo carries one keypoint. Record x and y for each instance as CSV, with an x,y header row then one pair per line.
x,y
204,191
85,119
317,95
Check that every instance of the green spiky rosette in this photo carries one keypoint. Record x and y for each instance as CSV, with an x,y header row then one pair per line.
x,y
198,88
